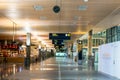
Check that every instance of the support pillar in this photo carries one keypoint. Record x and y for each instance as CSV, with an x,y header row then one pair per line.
x,y
28,51
39,56
90,56
80,54
89,44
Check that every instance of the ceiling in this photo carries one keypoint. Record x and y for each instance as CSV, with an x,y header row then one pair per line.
x,y
37,17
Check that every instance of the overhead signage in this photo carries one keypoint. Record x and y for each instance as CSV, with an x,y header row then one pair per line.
x,y
9,46
60,36
58,46
57,42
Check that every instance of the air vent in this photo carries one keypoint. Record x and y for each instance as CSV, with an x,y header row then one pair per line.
x,y
82,7
43,17
76,17
38,7
116,12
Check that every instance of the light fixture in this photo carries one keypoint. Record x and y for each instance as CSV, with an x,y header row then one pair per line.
x,y
38,7
85,0
56,9
27,28
82,7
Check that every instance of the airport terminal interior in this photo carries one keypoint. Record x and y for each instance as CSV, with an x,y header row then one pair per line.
x,y
59,39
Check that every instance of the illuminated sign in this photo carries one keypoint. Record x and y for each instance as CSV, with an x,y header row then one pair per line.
x,y
57,42
59,46
9,46
60,36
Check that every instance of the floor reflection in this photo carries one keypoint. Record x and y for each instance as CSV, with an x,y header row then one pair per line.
x,y
9,69
58,68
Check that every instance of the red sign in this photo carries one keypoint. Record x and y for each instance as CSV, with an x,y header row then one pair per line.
x,y
9,46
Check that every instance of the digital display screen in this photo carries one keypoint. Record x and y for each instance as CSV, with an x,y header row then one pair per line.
x,y
57,41
60,36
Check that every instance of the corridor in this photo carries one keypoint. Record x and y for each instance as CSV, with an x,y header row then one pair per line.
x,y
59,68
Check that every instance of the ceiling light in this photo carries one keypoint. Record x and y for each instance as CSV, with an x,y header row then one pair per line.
x,y
27,27
13,15
82,7
85,0
37,7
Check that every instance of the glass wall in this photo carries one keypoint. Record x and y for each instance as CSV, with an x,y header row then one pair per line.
x,y
97,40
113,34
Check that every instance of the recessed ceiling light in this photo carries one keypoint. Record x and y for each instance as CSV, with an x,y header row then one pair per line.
x,y
38,7
82,7
85,0
27,27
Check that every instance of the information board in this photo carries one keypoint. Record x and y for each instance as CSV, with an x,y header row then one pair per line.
x,y
60,36
57,41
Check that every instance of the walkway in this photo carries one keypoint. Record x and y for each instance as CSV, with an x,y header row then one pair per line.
x,y
59,68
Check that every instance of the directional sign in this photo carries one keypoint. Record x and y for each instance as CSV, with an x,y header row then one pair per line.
x,y
58,46
57,42
60,36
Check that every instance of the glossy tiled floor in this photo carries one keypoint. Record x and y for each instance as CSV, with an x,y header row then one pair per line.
x,y
59,68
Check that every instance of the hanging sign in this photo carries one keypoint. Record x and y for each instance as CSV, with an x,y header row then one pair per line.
x,y
60,36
